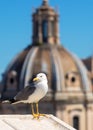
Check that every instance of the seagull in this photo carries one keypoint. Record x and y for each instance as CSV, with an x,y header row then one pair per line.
x,y
33,93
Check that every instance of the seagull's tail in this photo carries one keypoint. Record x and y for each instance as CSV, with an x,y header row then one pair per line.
x,y
11,101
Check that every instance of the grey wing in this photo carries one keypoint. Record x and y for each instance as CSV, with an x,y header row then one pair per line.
x,y
24,94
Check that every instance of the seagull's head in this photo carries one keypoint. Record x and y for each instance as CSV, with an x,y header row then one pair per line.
x,y
40,77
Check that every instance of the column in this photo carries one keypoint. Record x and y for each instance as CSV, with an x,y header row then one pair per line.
x,y
49,31
57,31
89,119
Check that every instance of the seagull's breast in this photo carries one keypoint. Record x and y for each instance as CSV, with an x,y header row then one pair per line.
x,y
39,93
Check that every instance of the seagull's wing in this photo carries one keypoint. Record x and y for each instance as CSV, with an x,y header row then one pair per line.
x,y
25,93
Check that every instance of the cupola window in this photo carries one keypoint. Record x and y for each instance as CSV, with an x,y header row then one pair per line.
x,y
45,30
11,80
36,28
73,79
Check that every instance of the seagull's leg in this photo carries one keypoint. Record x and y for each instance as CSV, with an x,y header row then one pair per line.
x,y
37,110
32,109
37,114
33,113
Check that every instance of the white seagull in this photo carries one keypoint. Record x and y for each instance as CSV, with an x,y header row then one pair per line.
x,y
33,93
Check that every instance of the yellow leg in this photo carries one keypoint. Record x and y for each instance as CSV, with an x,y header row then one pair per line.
x,y
32,109
37,110
37,114
33,113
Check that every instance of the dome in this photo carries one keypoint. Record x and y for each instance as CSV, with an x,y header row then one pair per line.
x,y
65,70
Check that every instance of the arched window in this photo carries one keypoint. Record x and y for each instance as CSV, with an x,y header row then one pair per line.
x,y
12,80
36,28
44,30
76,122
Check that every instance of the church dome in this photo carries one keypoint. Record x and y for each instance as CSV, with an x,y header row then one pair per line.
x,y
65,71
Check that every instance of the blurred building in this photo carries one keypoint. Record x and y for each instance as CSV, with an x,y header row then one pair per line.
x,y
89,65
70,85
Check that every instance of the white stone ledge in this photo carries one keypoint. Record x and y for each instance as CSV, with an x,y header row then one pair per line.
x,y
26,122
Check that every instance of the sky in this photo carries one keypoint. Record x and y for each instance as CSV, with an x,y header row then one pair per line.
x,y
75,24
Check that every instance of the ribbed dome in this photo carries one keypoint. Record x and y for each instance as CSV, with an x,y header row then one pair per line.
x,y
64,70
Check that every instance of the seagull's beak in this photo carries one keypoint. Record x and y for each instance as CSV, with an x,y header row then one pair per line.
x,y
36,79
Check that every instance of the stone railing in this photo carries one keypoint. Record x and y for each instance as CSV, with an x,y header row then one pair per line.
x,y
26,122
